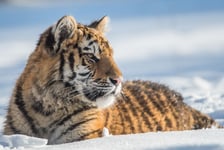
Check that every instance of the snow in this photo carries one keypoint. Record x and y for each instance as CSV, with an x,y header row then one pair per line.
x,y
181,50
21,141
105,132
178,140
155,141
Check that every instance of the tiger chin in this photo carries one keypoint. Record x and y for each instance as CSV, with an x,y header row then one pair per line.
x,y
71,88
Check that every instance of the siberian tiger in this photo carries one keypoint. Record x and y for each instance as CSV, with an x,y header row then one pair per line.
x,y
71,88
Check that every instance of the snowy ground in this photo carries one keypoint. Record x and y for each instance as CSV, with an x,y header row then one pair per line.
x,y
181,50
185,140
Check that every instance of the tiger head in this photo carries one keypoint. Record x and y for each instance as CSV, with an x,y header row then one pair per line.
x,y
79,56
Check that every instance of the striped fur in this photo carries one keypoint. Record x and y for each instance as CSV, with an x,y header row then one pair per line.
x,y
71,89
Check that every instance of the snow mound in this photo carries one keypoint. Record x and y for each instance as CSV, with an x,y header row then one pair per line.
x,y
21,141
178,140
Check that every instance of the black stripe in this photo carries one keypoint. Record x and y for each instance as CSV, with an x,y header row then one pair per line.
x,y
178,108
69,117
21,105
127,116
73,76
84,74
84,62
71,60
145,109
50,82
173,109
83,137
58,48
84,32
71,64
61,68
122,118
80,51
72,127
95,58
90,75
93,73
75,45
107,118
63,33
38,88
63,120
100,50
59,21
94,48
91,42
171,105
134,110
162,105
37,104
50,41
38,108
174,114
159,128
168,122
145,117
86,48
157,106
74,92
12,127
88,37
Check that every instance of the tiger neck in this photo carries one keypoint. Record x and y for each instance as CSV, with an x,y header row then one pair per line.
x,y
58,97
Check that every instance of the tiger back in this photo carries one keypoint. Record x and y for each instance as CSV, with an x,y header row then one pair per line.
x,y
71,88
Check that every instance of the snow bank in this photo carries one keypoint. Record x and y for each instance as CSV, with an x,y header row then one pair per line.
x,y
16,141
209,139
200,139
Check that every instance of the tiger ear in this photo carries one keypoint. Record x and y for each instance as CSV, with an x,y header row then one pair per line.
x,y
100,25
62,30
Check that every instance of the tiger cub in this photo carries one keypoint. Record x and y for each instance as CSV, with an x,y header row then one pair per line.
x,y
71,88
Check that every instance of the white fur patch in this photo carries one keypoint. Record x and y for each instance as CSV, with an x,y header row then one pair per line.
x,y
106,132
108,100
118,89
105,101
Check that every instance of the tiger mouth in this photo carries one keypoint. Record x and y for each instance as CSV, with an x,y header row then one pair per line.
x,y
99,93
96,93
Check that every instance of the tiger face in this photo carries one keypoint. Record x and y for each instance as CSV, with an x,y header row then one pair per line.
x,y
82,59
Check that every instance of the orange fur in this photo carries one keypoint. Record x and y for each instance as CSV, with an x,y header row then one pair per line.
x,y
71,71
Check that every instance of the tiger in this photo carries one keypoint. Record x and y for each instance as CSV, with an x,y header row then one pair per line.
x,y
71,89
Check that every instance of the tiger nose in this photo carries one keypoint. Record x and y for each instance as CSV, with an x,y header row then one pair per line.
x,y
115,81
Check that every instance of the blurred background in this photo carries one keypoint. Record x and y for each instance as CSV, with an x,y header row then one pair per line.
x,y
176,42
